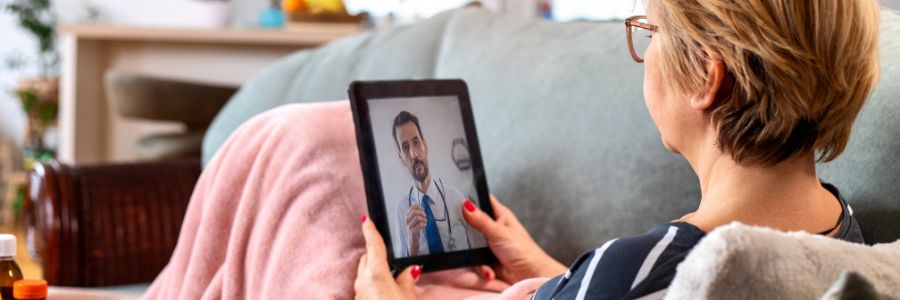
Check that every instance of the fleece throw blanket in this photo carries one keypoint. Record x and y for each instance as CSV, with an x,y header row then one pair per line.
x,y
743,262
275,215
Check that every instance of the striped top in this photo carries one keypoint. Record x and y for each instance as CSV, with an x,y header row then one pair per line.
x,y
643,266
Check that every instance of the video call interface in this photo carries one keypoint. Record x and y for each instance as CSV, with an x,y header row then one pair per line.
x,y
426,174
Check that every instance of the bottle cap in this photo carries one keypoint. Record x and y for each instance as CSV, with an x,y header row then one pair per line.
x,y
7,245
30,289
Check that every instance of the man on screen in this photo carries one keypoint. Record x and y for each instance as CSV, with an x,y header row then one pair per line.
x,y
430,210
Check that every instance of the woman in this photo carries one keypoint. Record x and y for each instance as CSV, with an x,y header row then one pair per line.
x,y
752,94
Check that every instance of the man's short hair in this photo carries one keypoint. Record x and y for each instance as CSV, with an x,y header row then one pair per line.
x,y
402,118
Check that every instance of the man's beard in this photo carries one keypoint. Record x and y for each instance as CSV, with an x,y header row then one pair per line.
x,y
420,177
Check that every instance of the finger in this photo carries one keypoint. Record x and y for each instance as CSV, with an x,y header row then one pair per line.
x,y
500,210
504,215
422,218
376,252
479,220
418,225
411,221
418,213
416,219
485,271
411,214
407,279
359,282
415,213
361,266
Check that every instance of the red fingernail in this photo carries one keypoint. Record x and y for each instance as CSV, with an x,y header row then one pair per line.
x,y
469,205
487,275
364,218
416,271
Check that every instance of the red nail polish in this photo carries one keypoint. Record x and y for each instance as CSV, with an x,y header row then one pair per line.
x,y
364,218
416,271
469,205
487,275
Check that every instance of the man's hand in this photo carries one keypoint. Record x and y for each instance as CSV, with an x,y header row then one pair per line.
x,y
373,277
415,221
519,255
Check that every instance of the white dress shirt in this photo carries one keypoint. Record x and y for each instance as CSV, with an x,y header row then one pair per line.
x,y
463,235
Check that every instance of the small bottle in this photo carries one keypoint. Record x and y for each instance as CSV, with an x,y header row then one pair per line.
x,y
30,289
9,269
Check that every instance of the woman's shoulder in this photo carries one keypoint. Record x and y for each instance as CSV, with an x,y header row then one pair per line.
x,y
848,227
633,265
675,236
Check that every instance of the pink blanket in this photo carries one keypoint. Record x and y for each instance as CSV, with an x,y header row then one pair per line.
x,y
276,213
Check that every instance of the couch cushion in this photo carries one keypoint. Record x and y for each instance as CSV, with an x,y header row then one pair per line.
x,y
567,139
325,73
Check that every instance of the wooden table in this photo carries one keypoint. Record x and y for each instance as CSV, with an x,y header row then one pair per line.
x,y
91,131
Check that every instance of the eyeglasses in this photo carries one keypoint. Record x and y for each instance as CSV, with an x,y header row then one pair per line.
x,y
639,33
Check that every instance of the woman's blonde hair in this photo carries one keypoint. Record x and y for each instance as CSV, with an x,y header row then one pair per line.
x,y
801,70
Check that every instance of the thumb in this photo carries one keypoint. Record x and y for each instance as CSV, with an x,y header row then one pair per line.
x,y
407,279
478,219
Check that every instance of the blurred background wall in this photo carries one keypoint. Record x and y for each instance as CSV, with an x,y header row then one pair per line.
x,y
243,13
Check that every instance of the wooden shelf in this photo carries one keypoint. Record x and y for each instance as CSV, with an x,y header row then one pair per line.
x,y
204,36
91,132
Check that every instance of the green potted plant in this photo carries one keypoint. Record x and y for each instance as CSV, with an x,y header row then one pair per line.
x,y
39,93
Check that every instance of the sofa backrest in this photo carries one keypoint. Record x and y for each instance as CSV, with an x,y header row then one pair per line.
x,y
566,138
324,73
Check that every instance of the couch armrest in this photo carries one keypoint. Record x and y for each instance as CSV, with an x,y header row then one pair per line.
x,y
106,224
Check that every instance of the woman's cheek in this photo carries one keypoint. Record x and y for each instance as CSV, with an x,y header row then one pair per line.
x,y
655,94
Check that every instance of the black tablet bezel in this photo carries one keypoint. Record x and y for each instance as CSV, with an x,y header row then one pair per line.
x,y
360,93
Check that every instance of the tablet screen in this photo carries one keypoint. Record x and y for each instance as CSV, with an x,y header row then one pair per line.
x,y
426,174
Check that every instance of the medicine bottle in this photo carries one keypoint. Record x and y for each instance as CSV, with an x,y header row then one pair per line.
x,y
9,269
30,289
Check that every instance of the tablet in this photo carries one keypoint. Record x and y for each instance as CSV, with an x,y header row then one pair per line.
x,y
420,161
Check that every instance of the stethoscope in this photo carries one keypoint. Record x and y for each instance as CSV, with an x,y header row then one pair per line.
x,y
440,187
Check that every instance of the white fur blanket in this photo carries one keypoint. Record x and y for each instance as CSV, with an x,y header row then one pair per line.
x,y
742,262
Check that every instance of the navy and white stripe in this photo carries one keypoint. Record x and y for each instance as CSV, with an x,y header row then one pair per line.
x,y
592,267
624,266
643,266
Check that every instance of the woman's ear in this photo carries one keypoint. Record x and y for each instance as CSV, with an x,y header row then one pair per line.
x,y
715,81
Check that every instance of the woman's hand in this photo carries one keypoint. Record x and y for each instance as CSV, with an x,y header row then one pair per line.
x,y
373,277
519,255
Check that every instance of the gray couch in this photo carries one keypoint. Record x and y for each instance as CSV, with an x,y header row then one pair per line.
x,y
567,140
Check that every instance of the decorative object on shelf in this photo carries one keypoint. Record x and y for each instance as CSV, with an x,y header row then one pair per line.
x,y
271,16
321,15
40,100
545,9
209,13
324,6
460,154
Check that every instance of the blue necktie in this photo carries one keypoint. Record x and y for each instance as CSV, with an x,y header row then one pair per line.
x,y
435,245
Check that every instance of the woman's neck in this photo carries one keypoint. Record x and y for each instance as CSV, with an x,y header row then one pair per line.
x,y
787,196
